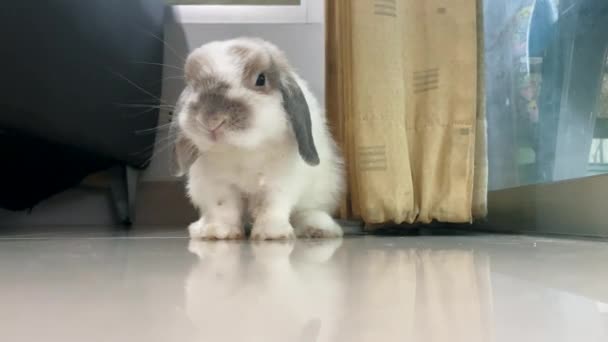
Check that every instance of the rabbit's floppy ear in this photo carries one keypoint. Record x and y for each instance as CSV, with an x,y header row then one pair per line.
x,y
184,151
298,113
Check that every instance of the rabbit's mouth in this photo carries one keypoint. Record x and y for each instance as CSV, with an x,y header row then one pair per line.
x,y
213,129
216,131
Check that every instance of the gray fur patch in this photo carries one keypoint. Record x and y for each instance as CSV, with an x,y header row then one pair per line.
x,y
254,63
213,103
298,114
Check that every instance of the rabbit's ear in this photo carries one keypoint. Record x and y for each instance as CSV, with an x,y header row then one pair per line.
x,y
184,151
298,114
294,104
184,155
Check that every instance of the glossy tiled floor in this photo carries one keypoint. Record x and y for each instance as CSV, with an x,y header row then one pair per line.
x,y
157,286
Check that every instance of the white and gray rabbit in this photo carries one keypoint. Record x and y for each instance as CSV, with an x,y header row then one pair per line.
x,y
254,142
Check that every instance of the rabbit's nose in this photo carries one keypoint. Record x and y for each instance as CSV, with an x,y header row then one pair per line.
x,y
214,125
212,122
217,126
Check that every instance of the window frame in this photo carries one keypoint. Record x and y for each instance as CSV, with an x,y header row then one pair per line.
x,y
309,11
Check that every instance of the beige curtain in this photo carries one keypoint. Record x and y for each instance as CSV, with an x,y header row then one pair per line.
x,y
403,87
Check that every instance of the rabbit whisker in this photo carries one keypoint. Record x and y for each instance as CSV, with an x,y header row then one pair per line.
x,y
159,64
137,86
153,129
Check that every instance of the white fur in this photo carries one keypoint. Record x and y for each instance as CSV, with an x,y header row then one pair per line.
x,y
259,169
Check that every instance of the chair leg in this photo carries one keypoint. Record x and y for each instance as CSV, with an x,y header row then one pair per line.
x,y
132,182
124,192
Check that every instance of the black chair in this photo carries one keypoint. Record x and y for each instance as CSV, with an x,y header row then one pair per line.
x,y
81,81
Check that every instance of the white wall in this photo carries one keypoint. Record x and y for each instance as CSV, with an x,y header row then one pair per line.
x,y
303,42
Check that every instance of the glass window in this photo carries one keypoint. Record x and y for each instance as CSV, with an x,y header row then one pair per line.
x,y
598,157
546,90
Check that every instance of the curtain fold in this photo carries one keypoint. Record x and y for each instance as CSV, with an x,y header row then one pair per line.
x,y
405,99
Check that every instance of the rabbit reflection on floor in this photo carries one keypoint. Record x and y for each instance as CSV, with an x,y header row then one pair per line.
x,y
272,291
333,290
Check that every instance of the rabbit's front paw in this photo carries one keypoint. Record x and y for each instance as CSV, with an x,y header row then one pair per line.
x,y
214,231
272,230
316,224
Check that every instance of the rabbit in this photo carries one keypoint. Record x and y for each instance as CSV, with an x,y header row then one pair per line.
x,y
253,142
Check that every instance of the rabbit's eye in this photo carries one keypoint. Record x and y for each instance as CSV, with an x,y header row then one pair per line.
x,y
261,81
